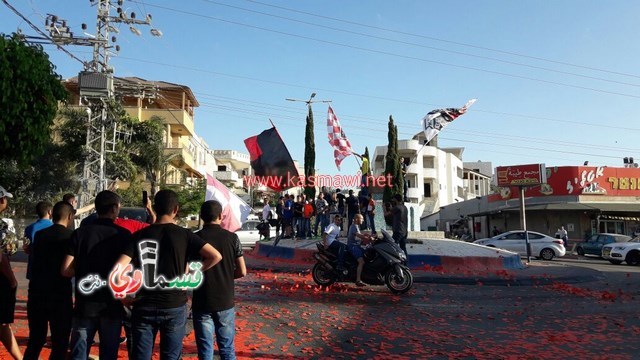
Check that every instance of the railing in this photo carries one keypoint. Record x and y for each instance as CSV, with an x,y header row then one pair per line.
x,y
169,116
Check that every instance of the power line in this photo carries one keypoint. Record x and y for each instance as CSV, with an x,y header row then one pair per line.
x,y
415,102
424,46
444,40
396,55
43,34
295,122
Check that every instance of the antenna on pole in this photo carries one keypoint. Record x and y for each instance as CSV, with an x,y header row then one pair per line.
x,y
96,83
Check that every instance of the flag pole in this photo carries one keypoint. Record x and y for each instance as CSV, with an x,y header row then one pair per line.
x,y
272,123
417,152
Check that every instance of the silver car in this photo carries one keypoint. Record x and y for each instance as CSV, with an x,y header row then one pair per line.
x,y
542,246
249,234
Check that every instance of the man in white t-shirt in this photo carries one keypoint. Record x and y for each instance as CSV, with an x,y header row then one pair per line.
x,y
331,242
266,211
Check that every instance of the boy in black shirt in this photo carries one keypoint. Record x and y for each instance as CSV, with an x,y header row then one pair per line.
x,y
93,251
50,302
213,305
157,306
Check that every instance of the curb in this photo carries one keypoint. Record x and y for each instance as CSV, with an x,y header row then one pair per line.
x,y
450,263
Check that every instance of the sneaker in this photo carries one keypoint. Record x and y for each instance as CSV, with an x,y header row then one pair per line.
x,y
360,283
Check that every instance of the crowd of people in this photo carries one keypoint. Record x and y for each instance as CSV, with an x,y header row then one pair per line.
x,y
60,259
61,256
296,217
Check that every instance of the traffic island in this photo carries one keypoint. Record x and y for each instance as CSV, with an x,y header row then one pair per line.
x,y
448,256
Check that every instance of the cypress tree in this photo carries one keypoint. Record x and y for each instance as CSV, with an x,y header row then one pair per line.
x,y
391,162
309,156
398,178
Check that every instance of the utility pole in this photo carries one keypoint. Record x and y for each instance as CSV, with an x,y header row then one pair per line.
x,y
96,85
310,145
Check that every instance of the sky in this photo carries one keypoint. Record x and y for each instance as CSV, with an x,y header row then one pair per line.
x,y
556,81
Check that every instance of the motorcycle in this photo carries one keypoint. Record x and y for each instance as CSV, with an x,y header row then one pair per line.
x,y
384,264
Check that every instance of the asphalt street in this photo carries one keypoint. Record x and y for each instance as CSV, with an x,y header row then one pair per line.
x,y
282,314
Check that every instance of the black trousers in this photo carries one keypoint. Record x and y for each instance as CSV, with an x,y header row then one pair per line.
x,y
42,314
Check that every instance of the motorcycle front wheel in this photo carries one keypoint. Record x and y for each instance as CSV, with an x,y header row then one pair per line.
x,y
399,285
322,276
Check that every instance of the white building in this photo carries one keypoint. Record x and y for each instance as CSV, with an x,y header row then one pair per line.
x,y
231,167
437,177
204,159
477,178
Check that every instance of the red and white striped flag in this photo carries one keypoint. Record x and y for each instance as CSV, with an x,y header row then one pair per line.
x,y
337,139
234,210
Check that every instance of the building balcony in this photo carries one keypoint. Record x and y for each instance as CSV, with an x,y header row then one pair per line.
x,y
180,120
429,173
237,159
415,193
181,158
228,177
413,145
414,169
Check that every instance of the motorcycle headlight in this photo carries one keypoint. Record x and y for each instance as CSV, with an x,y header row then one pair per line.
x,y
403,256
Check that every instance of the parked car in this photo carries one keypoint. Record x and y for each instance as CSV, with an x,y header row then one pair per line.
x,y
249,234
629,251
542,246
133,213
593,245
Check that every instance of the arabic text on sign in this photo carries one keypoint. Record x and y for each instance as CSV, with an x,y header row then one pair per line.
x,y
624,183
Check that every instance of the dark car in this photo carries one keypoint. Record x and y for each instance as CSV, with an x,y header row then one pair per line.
x,y
134,213
593,245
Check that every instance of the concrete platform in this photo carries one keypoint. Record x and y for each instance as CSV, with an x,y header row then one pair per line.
x,y
451,256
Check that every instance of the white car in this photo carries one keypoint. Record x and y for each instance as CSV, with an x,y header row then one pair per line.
x,y
249,234
542,246
616,253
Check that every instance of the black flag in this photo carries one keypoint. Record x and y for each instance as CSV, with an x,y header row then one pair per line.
x,y
270,158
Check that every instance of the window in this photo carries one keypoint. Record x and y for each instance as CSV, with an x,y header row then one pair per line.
x,y
428,162
513,236
427,190
222,168
249,225
612,227
534,236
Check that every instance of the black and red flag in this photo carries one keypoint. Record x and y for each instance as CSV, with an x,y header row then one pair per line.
x,y
270,158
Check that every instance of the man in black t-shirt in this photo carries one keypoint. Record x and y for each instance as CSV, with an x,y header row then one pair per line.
x,y
298,207
353,206
50,301
213,305
341,200
163,251
93,250
400,221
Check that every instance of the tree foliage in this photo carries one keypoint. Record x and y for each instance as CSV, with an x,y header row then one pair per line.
x,y
309,155
30,91
190,198
392,164
60,169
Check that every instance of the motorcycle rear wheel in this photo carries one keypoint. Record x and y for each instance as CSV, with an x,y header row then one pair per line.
x,y
322,276
397,285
